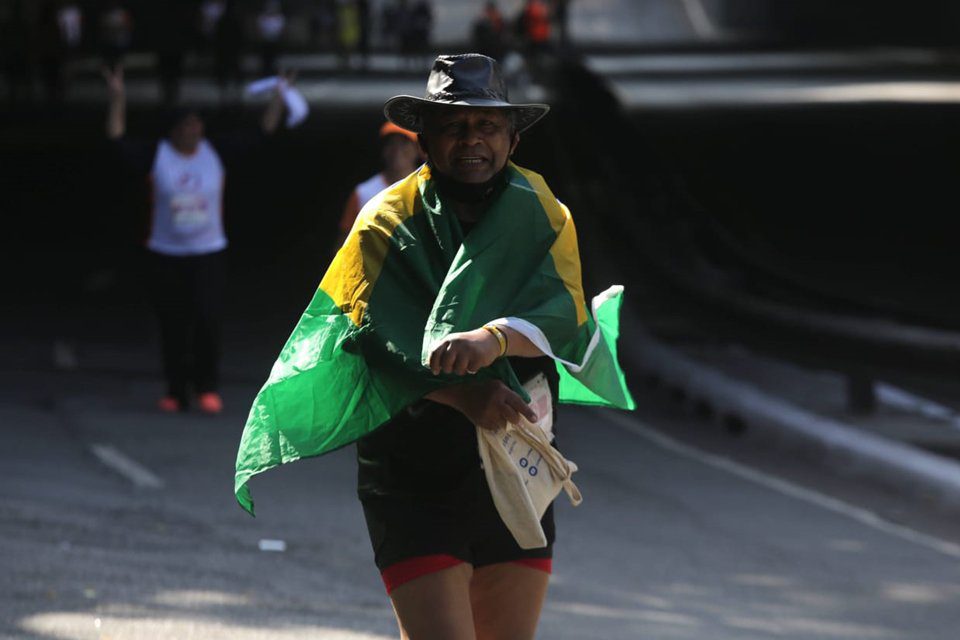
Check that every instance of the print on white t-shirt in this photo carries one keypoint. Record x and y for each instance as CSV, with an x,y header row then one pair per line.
x,y
187,202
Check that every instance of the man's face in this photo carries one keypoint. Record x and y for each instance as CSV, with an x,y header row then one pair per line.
x,y
469,144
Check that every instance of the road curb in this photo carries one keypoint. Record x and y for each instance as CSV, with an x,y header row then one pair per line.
x,y
847,448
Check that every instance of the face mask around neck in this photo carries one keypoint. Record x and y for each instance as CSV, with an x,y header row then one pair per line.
x,y
467,193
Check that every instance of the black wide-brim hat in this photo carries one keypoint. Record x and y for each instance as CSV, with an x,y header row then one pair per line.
x,y
466,80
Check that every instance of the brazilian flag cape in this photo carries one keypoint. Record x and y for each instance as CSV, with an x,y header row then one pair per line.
x,y
405,278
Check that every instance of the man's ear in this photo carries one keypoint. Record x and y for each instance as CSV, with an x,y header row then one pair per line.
x,y
423,145
514,142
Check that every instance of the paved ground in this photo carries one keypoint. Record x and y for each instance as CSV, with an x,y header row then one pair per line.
x,y
669,543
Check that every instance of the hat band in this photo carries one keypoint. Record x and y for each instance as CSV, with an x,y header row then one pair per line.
x,y
447,96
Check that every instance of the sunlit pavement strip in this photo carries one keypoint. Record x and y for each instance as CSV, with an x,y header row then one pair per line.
x,y
337,92
863,516
665,94
759,62
138,625
130,469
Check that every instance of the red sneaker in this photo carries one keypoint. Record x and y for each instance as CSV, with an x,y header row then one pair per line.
x,y
169,404
210,402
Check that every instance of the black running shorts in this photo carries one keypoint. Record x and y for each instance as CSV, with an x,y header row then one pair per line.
x,y
402,527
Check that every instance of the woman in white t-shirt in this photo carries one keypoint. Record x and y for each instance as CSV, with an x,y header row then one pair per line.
x,y
186,243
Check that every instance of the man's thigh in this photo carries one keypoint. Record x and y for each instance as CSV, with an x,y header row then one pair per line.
x,y
436,606
507,599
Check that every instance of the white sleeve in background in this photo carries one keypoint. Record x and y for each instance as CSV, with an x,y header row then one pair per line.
x,y
297,107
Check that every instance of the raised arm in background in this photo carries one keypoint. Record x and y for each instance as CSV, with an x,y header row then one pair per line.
x,y
117,106
275,108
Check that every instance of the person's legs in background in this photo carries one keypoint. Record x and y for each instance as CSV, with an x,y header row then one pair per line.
x,y
209,282
169,286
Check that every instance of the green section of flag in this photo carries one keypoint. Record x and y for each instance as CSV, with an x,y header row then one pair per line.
x,y
601,382
412,279
320,396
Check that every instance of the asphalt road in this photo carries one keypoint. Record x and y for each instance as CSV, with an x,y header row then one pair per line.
x,y
674,539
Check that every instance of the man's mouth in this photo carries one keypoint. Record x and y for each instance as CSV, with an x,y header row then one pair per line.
x,y
471,161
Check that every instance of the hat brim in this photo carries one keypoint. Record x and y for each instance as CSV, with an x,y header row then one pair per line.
x,y
407,111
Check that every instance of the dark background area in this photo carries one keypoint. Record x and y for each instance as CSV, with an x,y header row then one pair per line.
x,y
847,210
850,23
842,208
855,203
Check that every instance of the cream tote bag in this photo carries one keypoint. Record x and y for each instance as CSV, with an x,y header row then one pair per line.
x,y
524,471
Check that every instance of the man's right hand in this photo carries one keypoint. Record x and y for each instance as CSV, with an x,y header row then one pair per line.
x,y
489,404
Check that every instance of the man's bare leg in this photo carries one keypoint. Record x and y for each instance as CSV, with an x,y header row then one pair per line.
x,y
507,599
436,606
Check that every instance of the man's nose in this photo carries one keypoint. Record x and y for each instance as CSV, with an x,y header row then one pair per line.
x,y
470,135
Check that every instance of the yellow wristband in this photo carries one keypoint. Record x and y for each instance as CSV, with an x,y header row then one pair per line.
x,y
499,335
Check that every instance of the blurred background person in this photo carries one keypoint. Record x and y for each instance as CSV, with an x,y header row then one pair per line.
x,y
323,24
392,15
14,44
171,31
561,15
271,23
209,15
400,155
348,30
363,39
60,32
488,35
534,26
70,22
228,45
116,32
416,25
186,246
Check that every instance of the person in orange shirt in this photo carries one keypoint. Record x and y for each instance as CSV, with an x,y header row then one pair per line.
x,y
400,154
535,25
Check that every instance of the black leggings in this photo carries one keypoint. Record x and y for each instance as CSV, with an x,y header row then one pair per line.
x,y
188,296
